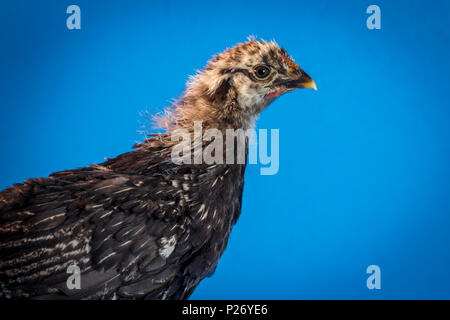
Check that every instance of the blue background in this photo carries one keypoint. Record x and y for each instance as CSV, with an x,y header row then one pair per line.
x,y
364,162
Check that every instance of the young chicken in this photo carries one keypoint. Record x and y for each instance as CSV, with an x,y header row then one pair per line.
x,y
139,225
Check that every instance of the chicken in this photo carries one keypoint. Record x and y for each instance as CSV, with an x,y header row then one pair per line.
x,y
141,225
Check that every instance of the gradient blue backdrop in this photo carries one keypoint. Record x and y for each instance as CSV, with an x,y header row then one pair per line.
x,y
364,161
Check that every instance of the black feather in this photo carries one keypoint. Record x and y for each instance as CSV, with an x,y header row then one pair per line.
x,y
138,226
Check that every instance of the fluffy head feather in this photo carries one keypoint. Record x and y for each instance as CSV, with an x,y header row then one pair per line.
x,y
236,85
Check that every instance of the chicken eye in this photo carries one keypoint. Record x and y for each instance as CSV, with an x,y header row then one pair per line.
x,y
262,72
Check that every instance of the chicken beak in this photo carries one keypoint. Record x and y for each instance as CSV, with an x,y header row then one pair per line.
x,y
303,82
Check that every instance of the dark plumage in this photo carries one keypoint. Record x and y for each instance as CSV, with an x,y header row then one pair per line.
x,y
139,225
